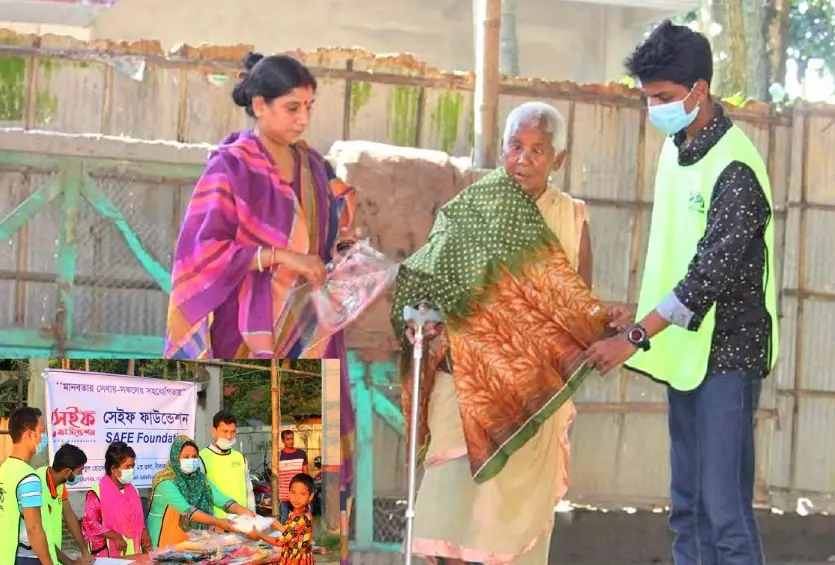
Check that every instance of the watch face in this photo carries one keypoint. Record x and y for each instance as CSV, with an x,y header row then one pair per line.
x,y
636,335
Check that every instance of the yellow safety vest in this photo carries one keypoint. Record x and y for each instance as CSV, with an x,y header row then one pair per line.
x,y
683,194
227,473
12,473
52,514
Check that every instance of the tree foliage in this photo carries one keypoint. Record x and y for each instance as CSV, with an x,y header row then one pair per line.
x,y
811,34
753,39
250,396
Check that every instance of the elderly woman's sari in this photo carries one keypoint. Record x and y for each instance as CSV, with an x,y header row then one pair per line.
x,y
222,308
493,435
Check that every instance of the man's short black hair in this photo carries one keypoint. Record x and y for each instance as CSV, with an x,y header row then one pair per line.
x,y
285,433
304,479
70,457
224,417
22,420
672,53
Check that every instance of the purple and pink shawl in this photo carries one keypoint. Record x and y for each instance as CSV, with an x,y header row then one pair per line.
x,y
222,308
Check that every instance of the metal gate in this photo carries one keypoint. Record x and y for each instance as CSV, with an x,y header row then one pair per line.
x,y
378,516
88,251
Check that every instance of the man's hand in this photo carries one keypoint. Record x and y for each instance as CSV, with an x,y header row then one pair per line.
x,y
608,354
620,315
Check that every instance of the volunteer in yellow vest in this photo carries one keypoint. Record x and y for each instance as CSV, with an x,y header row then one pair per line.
x,y
227,468
21,492
114,522
707,317
67,470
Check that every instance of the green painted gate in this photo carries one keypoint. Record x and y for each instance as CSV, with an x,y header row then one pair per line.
x,y
84,244
380,486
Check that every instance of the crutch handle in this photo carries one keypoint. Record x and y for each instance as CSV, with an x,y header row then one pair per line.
x,y
421,315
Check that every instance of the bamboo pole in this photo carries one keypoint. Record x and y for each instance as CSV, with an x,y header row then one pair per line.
x,y
487,83
239,365
276,432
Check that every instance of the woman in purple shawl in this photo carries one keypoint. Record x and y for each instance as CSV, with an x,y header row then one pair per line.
x,y
262,220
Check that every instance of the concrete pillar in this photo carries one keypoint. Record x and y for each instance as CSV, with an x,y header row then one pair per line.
x,y
331,449
36,398
209,403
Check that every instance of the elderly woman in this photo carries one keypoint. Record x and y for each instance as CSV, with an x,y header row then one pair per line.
x,y
501,266
183,499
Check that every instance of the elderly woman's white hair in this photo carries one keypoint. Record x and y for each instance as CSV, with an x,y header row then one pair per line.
x,y
537,114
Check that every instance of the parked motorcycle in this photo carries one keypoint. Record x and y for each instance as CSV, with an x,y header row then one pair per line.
x,y
262,489
316,505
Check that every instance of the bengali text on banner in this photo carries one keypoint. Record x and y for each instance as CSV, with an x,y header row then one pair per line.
x,y
92,410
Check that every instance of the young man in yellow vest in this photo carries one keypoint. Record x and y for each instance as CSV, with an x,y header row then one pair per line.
x,y
707,307
227,468
67,469
20,492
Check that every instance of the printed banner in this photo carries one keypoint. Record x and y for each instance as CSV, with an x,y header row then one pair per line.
x,y
92,410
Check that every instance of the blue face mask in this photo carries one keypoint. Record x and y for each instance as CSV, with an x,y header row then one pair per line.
x,y
188,465
74,481
671,118
41,447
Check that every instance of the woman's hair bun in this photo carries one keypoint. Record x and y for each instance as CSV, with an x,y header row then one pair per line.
x,y
240,94
251,59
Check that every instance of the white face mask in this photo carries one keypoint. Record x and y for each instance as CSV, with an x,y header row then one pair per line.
x,y
188,465
225,444
126,476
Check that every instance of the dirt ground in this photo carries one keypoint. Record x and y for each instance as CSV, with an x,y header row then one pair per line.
x,y
584,537
596,538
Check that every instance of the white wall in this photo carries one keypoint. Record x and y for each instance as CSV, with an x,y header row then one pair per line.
x,y
583,42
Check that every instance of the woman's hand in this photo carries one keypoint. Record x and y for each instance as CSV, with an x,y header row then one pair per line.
x,y
145,541
620,315
224,525
254,535
246,512
431,331
278,526
310,267
118,541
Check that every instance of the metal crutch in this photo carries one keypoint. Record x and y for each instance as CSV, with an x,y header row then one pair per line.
x,y
419,316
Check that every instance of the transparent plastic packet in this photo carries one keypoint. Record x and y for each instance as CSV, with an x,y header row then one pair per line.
x,y
355,279
246,524
199,546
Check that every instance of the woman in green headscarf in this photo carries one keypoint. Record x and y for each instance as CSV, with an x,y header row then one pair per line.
x,y
182,498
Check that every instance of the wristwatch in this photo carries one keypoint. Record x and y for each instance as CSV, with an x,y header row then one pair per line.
x,y
637,336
